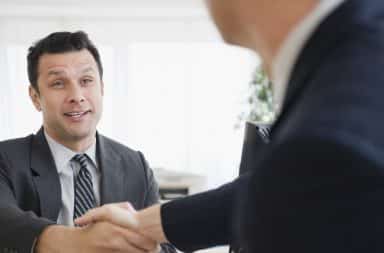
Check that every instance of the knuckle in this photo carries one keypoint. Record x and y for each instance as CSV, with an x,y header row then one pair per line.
x,y
146,243
115,231
115,243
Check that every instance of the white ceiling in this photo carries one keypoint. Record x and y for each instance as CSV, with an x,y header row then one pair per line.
x,y
108,2
112,8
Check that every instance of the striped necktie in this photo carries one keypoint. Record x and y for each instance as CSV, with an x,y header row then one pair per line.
x,y
84,196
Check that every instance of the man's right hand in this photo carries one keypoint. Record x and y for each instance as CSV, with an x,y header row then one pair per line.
x,y
97,237
146,221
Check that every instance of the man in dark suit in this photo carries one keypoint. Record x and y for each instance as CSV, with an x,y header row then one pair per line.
x,y
48,179
320,184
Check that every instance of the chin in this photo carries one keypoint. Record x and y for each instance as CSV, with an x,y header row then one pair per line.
x,y
231,40
81,135
230,37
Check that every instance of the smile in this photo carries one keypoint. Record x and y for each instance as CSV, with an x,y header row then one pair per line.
x,y
76,115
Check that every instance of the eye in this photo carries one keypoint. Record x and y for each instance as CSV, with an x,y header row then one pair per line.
x,y
57,84
86,81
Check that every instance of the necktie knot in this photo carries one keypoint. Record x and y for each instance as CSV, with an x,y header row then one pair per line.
x,y
81,159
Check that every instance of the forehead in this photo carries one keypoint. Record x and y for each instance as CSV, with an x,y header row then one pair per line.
x,y
76,60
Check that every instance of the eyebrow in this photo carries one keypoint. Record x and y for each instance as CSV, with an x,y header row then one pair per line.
x,y
60,72
55,72
88,69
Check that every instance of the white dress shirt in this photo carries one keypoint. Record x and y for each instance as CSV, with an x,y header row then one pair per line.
x,y
67,170
286,57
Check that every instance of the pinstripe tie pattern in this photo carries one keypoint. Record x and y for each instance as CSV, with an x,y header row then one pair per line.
x,y
84,196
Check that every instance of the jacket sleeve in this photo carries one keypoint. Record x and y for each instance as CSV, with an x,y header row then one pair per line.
x,y
19,228
310,194
207,217
315,193
152,197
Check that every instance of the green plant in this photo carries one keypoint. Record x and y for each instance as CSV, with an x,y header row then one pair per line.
x,y
258,106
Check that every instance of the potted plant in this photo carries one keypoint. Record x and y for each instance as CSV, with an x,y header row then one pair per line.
x,y
258,107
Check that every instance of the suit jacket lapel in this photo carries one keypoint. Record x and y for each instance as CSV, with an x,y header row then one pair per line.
x,y
331,31
47,179
112,173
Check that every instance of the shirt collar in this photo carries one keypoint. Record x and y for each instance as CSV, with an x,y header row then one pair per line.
x,y
63,155
288,53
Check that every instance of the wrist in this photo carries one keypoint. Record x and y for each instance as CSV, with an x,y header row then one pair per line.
x,y
55,239
149,223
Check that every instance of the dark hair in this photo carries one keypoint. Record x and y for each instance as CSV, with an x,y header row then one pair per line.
x,y
59,42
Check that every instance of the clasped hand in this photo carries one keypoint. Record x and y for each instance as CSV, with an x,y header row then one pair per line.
x,y
110,228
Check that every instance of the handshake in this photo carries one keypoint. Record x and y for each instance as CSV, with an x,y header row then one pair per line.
x,y
110,228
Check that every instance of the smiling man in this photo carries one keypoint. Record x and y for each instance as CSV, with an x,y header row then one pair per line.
x,y
49,179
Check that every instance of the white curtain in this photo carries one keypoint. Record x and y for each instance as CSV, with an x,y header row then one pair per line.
x,y
173,94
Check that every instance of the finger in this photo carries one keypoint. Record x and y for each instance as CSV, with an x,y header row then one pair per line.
x,y
91,216
113,238
131,248
122,218
140,241
157,249
125,205
109,213
126,246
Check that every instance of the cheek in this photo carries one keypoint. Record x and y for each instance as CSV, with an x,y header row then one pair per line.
x,y
222,16
53,106
96,99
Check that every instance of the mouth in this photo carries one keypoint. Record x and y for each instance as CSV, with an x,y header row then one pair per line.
x,y
76,114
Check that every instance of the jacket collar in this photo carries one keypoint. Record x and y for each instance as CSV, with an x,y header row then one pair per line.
x,y
112,171
46,177
332,31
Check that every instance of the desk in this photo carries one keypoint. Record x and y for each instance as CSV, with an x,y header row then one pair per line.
x,y
174,184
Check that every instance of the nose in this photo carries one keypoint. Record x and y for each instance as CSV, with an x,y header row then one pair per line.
x,y
76,94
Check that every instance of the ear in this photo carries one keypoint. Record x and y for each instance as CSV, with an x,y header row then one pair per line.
x,y
35,97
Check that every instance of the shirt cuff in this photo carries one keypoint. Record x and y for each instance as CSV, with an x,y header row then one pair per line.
x,y
34,246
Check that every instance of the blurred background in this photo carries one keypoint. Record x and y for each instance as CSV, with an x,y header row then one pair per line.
x,y
173,89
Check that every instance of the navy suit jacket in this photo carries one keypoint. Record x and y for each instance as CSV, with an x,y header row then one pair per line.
x,y
320,184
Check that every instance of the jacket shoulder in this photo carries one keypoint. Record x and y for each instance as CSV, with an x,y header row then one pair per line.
x,y
16,145
116,146
15,153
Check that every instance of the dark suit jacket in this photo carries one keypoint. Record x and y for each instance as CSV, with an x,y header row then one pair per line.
x,y
256,137
320,184
30,193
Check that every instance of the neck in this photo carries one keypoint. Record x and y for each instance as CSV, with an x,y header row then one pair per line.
x,y
75,144
273,25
